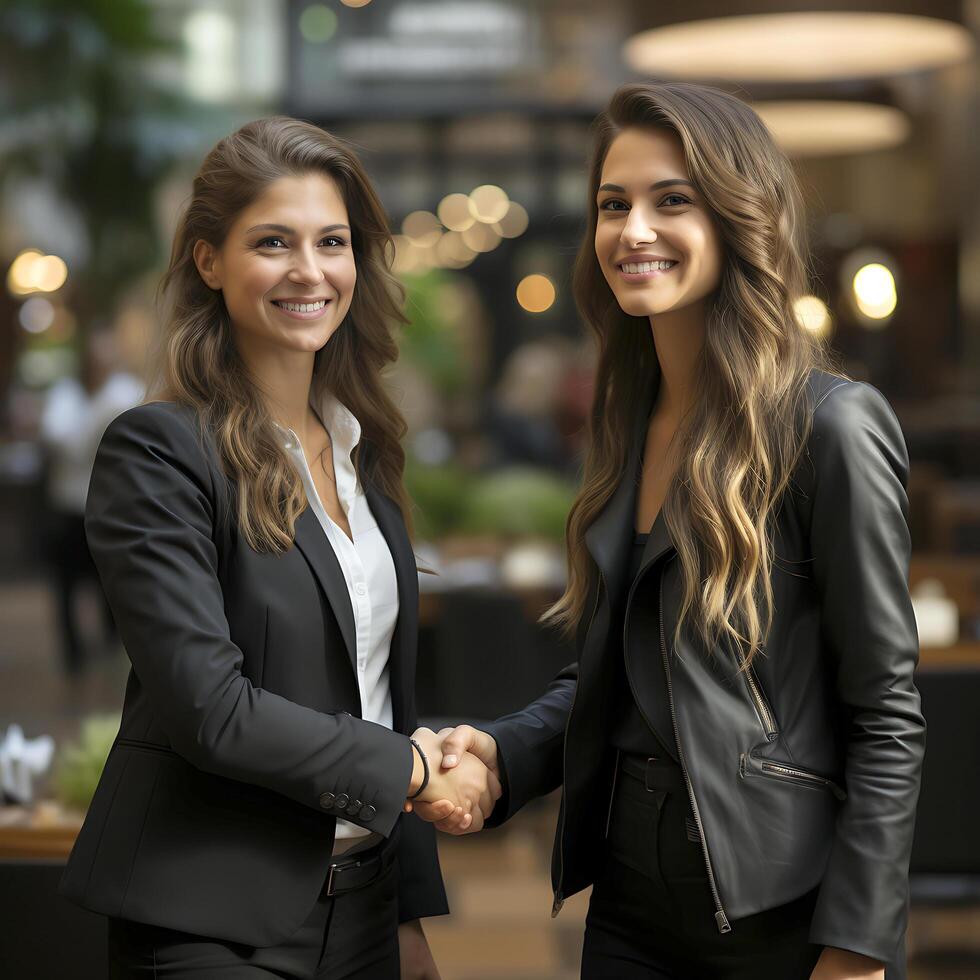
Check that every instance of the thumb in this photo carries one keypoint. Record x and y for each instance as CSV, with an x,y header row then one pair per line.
x,y
455,744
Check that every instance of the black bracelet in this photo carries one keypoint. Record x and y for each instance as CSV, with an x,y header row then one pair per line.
x,y
425,769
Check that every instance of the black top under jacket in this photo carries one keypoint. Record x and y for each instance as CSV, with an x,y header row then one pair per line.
x,y
631,732
240,743
803,772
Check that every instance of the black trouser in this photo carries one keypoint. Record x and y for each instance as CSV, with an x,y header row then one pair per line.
x,y
651,914
351,936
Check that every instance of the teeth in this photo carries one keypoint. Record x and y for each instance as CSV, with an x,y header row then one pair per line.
x,y
646,266
302,307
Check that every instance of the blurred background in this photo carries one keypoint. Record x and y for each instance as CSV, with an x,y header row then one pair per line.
x,y
472,118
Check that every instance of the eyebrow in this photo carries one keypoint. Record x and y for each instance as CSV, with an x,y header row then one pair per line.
x,y
285,230
660,183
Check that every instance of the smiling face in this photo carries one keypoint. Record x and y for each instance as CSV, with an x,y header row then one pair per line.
x,y
286,267
655,238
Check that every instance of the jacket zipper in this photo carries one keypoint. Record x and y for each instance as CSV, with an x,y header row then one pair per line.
x,y
783,771
762,709
721,919
559,898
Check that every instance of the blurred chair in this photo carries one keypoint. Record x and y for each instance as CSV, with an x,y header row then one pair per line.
x,y
489,657
956,517
945,866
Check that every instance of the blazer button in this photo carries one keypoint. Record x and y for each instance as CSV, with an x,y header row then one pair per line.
x,y
354,808
341,802
367,813
327,800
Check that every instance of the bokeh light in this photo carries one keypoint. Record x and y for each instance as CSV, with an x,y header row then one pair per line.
x,y
514,223
423,228
454,212
34,272
536,293
874,291
488,203
317,23
813,315
36,315
481,238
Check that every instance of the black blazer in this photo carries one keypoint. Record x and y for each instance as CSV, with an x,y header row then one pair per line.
x,y
803,771
241,742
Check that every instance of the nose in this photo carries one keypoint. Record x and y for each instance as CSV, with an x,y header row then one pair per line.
x,y
637,229
305,269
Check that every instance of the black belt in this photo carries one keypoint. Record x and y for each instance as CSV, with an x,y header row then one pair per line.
x,y
348,874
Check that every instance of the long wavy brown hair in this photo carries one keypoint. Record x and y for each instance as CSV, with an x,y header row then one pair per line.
x,y
741,441
198,364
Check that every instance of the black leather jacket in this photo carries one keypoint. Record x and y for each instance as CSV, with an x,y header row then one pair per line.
x,y
802,772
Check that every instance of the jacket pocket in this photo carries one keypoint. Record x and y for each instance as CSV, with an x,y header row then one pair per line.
x,y
752,765
132,743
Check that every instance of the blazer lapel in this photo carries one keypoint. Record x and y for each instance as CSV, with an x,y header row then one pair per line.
x,y
312,542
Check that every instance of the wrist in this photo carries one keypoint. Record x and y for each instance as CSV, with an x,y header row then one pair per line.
x,y
420,771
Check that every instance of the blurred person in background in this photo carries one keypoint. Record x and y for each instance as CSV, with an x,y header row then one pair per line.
x,y
75,415
740,742
249,527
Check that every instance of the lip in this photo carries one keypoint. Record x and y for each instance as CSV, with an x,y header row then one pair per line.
x,y
295,315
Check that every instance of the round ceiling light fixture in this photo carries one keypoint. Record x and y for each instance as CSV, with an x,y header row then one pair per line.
x,y
798,47
813,127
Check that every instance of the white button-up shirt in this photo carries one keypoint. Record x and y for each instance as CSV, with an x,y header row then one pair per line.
x,y
366,563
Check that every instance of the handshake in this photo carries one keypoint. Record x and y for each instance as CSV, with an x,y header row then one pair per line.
x,y
464,779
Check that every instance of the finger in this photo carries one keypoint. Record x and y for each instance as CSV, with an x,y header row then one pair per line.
x,y
496,790
432,812
408,807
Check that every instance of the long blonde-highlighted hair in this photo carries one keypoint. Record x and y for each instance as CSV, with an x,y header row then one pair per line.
x,y
199,365
739,444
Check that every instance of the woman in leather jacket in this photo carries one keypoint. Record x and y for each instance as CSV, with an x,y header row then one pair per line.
x,y
739,742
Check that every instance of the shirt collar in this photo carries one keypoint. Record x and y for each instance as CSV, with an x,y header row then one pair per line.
x,y
337,419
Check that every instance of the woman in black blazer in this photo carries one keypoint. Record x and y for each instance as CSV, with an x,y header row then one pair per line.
x,y
740,740
249,529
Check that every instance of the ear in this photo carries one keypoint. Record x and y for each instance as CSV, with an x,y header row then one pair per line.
x,y
206,260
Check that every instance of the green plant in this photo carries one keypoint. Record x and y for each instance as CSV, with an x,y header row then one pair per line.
x,y
438,495
80,763
518,502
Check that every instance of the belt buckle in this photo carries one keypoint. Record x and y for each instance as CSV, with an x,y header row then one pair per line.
x,y
646,774
333,868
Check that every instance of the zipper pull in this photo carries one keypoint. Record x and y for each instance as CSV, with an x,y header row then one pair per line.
x,y
558,903
722,920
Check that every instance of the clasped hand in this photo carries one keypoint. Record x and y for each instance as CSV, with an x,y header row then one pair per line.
x,y
463,786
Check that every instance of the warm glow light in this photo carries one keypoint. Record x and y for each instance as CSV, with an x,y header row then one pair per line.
x,y
489,203
423,228
536,293
50,273
514,222
874,291
34,272
355,3
812,313
812,46
453,252
454,212
481,238
815,128
406,255
317,23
